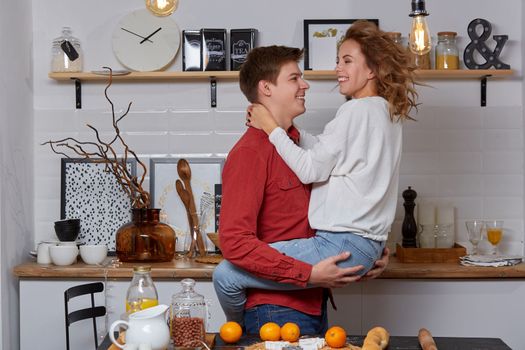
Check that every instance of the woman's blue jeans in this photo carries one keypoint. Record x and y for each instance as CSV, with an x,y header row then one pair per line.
x,y
231,282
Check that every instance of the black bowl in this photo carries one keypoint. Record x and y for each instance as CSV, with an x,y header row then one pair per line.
x,y
68,223
67,230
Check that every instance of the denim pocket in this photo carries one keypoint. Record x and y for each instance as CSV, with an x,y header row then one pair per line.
x,y
364,252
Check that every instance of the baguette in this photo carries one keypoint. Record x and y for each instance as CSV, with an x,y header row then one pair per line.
x,y
425,340
376,339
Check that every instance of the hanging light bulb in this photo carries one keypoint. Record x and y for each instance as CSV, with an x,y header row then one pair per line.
x,y
419,38
162,7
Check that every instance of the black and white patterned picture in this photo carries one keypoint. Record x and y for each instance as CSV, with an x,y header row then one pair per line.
x,y
96,198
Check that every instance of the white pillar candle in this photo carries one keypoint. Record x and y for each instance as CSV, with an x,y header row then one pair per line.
x,y
427,214
445,214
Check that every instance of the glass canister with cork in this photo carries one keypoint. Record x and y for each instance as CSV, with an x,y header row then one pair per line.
x,y
188,316
141,293
419,61
447,53
66,53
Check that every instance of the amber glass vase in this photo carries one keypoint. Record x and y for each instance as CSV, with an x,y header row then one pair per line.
x,y
145,238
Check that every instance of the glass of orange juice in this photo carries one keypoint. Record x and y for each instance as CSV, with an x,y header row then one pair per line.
x,y
494,230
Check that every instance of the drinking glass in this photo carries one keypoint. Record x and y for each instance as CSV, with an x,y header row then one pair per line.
x,y
474,228
494,230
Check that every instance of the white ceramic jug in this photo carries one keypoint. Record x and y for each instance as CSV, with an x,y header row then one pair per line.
x,y
145,327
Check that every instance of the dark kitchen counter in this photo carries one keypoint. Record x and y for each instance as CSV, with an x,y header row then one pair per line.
x,y
396,343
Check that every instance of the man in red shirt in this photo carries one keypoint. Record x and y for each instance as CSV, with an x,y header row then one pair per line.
x,y
263,202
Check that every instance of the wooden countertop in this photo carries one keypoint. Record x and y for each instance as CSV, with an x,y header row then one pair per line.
x,y
184,268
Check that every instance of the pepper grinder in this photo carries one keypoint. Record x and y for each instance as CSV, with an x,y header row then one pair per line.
x,y
409,227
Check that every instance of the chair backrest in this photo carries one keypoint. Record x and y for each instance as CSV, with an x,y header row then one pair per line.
x,y
92,312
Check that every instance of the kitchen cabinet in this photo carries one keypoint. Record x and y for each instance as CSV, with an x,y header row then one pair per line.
x,y
449,299
214,76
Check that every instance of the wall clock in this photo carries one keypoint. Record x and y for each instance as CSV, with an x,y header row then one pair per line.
x,y
144,42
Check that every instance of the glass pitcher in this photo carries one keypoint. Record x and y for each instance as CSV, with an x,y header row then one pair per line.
x,y
188,316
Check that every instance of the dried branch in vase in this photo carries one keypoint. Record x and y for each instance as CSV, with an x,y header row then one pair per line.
x,y
100,151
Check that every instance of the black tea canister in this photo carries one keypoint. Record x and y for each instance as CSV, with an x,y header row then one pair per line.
x,y
214,49
191,50
241,42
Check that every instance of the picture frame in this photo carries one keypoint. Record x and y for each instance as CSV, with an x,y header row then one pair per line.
x,y
205,174
93,195
321,38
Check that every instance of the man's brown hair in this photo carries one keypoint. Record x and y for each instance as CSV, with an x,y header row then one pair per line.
x,y
264,63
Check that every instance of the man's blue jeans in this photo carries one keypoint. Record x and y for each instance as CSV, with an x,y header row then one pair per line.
x,y
255,317
230,282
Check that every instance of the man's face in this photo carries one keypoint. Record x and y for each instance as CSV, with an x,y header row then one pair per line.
x,y
288,93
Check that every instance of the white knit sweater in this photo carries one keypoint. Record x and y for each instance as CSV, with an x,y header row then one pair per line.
x,y
354,165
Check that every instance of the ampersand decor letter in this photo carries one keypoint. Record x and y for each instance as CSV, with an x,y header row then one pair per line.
x,y
478,44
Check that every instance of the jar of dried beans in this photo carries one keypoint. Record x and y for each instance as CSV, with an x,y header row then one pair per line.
x,y
188,316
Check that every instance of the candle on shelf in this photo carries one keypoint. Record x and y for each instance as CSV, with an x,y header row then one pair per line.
x,y
426,213
445,214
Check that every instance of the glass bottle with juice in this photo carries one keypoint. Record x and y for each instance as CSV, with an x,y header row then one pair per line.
x,y
142,293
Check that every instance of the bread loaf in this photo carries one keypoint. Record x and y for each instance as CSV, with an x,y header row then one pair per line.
x,y
376,339
425,340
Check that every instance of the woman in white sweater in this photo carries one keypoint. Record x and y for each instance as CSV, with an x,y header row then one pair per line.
x,y
353,164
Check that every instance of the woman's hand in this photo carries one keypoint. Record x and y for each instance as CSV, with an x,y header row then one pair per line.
x,y
260,117
379,266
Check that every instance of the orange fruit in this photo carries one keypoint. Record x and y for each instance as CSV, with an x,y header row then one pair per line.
x,y
230,332
290,332
335,337
270,331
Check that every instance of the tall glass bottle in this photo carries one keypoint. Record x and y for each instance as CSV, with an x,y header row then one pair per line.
x,y
142,293
66,53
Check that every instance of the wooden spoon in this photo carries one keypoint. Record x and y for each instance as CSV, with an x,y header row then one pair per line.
x,y
185,197
184,171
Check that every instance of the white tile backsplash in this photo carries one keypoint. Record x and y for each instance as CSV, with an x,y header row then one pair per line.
x,y
471,157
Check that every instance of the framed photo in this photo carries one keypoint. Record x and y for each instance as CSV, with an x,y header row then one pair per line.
x,y
321,38
93,195
205,174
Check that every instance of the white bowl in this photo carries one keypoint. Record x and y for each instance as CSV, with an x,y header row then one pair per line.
x,y
63,255
93,254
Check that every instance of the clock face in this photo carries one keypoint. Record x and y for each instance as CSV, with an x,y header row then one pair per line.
x,y
144,42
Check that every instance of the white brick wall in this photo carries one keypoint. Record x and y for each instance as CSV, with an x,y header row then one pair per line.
x,y
456,152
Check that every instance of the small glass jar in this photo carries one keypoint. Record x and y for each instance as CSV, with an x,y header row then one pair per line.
x,y
396,37
447,53
66,53
419,61
141,293
188,316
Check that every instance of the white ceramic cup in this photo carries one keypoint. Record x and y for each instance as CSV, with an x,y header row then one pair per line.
x,y
63,255
42,253
93,254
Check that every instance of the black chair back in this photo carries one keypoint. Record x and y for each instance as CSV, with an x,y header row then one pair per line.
x,y
93,312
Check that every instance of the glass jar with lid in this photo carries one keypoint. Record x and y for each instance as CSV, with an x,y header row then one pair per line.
x,y
141,293
418,61
188,316
447,53
66,53
396,37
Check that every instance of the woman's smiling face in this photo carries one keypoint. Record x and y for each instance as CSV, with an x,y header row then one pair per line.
x,y
355,78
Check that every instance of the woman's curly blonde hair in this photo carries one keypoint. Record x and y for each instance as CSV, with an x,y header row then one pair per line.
x,y
391,65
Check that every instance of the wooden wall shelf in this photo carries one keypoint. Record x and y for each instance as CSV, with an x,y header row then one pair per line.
x,y
233,75
213,76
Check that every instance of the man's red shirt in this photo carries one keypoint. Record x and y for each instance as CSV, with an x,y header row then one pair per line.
x,y
263,201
